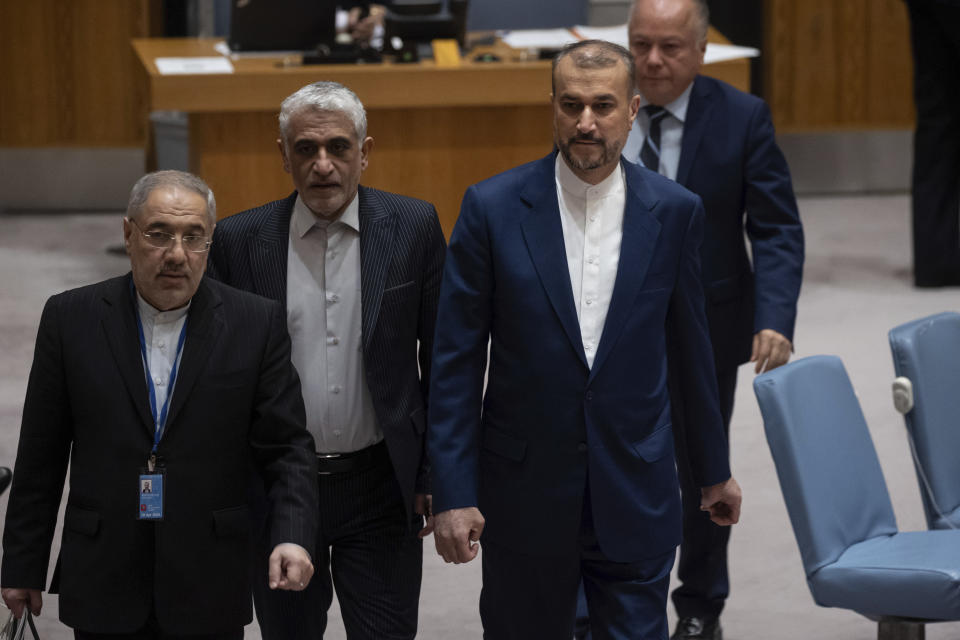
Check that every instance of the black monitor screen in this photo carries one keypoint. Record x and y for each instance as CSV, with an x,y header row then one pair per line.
x,y
281,25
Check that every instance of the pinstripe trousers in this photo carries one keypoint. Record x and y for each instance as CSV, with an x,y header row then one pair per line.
x,y
367,550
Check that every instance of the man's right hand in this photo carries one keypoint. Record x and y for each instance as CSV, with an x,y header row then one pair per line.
x,y
456,532
17,599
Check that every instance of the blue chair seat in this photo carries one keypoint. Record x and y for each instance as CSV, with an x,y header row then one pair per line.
x,y
910,574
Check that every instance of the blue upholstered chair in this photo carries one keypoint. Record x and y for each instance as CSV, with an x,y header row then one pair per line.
x,y
853,556
927,353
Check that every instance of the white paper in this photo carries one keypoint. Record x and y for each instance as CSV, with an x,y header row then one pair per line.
x,y
191,66
538,38
616,34
723,52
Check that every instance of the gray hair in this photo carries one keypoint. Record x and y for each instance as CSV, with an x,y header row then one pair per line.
x,y
700,11
595,54
167,179
324,96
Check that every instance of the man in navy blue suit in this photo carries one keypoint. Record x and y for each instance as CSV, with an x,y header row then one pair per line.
x,y
581,273
719,143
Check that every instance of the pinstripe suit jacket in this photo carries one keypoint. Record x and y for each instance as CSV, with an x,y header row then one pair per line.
x,y
401,259
236,403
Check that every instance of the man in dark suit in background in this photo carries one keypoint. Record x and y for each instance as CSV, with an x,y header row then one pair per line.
x,y
358,271
207,393
577,270
719,143
935,39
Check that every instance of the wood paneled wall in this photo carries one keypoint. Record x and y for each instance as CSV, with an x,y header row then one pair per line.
x,y
838,64
68,75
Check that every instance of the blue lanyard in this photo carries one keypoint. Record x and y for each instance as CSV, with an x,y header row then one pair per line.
x,y
160,421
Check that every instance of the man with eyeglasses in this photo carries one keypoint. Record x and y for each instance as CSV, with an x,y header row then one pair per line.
x,y
160,389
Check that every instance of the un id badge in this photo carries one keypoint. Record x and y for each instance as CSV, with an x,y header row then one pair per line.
x,y
150,490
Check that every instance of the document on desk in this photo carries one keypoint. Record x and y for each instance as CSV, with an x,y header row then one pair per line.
x,y
193,66
538,38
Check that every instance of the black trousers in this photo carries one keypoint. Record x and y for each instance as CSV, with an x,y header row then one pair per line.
x,y
935,35
702,566
152,631
368,550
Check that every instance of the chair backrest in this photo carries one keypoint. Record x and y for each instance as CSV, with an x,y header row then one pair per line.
x,y
829,472
927,351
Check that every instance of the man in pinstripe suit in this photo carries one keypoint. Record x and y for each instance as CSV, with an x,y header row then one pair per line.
x,y
208,391
358,271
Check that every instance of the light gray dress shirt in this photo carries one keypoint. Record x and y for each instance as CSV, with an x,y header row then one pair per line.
x,y
161,333
592,221
324,320
671,134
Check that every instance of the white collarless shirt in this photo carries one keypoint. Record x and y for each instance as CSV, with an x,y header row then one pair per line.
x,y
324,320
592,221
671,134
161,334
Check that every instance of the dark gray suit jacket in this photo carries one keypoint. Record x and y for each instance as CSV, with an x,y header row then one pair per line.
x,y
236,404
401,260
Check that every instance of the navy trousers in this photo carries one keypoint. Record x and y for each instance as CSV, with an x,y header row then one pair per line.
x,y
527,596
368,550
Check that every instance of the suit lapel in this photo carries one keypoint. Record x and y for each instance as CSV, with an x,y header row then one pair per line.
x,y
694,127
203,327
268,253
120,327
543,234
377,231
640,232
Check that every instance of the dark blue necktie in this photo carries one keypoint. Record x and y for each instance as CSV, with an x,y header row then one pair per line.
x,y
650,153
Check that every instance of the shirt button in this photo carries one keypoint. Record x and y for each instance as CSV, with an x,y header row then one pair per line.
x,y
161,344
588,346
335,388
589,395
158,381
593,218
333,297
582,447
334,340
589,301
336,432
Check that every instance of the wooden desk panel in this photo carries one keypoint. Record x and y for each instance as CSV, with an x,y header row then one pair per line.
x,y
436,131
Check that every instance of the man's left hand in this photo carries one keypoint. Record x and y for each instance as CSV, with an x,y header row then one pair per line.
x,y
770,350
290,567
423,504
722,501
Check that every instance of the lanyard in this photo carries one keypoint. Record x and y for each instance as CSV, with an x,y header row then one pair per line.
x,y
160,420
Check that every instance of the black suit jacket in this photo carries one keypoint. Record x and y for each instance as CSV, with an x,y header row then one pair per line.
x,y
236,403
401,262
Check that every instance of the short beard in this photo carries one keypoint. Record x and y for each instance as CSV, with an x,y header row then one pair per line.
x,y
605,158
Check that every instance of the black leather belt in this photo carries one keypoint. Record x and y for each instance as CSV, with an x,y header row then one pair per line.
x,y
372,456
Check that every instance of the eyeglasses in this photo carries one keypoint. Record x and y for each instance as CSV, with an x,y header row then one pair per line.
x,y
164,240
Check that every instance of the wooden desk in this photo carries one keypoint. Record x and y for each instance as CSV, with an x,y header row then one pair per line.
x,y
436,131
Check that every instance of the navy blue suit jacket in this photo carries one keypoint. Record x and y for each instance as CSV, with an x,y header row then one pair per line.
x,y
523,452
729,157
401,260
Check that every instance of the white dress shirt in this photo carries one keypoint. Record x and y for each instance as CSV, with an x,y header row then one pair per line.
x,y
592,221
671,134
323,317
161,334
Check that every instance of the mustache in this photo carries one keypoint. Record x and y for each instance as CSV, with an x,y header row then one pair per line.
x,y
584,138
